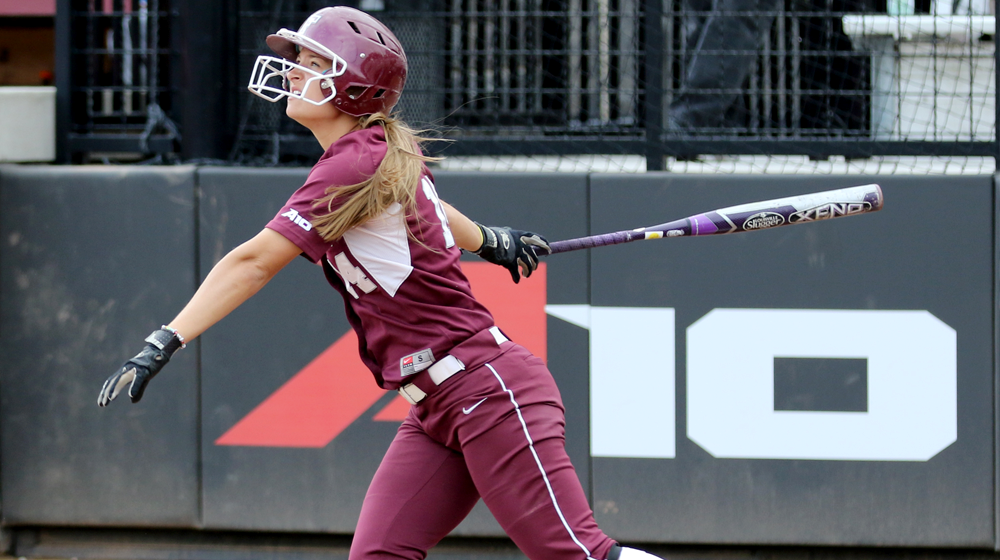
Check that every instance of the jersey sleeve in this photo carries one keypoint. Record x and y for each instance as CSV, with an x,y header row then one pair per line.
x,y
294,220
349,161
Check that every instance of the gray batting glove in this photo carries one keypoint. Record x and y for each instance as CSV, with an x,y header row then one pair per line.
x,y
137,372
513,249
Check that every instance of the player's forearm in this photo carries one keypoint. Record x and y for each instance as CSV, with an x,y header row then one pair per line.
x,y
230,283
466,232
239,275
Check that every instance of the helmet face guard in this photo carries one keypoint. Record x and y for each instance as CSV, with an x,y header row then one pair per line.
x,y
369,65
269,79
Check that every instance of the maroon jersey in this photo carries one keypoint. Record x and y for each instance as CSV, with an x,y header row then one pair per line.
x,y
399,275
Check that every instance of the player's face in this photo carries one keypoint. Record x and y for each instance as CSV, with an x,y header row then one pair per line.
x,y
298,109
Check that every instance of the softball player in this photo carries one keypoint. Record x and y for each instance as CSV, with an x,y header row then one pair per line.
x,y
486,419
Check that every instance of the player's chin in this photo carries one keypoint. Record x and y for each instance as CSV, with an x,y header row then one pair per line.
x,y
297,110
303,111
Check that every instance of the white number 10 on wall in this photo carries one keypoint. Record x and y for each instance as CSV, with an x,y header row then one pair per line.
x,y
911,383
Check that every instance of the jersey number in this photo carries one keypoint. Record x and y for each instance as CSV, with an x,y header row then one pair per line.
x,y
432,195
352,275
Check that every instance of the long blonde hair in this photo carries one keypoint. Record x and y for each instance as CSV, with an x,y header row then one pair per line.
x,y
395,180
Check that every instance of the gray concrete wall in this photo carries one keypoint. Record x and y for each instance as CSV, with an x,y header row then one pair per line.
x,y
666,352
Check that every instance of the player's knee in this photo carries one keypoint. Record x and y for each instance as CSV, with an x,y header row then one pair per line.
x,y
619,552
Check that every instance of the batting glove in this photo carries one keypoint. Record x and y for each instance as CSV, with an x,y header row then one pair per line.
x,y
515,250
137,372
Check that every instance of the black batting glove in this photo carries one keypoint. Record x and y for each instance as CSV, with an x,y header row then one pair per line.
x,y
513,249
137,372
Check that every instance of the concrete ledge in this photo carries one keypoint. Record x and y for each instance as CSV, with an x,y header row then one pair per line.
x,y
27,124
958,28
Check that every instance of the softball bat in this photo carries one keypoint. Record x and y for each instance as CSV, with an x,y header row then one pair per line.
x,y
752,216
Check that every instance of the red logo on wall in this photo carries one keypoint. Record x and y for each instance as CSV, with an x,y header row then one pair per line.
x,y
336,389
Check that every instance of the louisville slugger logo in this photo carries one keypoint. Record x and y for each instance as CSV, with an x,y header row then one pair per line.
x,y
763,220
829,210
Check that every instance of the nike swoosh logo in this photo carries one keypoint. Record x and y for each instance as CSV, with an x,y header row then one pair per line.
x,y
473,407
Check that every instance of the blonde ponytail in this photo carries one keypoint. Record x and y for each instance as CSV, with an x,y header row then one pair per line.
x,y
395,180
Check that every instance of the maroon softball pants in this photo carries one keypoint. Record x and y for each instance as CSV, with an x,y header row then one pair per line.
x,y
496,432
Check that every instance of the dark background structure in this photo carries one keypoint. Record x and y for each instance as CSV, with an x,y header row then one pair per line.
x,y
514,77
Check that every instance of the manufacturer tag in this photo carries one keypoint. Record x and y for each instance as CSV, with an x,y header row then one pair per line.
x,y
415,363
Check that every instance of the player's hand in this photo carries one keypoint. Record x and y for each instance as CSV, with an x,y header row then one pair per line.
x,y
513,249
137,372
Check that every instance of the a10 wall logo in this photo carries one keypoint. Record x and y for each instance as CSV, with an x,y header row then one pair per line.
x,y
911,380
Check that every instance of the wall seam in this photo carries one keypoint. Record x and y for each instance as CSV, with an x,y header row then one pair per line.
x,y
199,456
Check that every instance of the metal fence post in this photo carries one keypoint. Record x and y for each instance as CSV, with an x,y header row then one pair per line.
x,y
206,70
63,78
653,55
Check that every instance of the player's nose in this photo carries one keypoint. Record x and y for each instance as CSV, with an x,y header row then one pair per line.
x,y
292,78
294,75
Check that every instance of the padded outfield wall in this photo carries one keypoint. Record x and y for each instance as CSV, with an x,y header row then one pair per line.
x,y
828,384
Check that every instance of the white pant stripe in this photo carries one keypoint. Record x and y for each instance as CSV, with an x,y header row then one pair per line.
x,y
538,461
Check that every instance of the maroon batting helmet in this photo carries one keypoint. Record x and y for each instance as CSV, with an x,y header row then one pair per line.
x,y
374,59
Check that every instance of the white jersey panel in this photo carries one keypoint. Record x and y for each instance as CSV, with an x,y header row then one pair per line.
x,y
382,247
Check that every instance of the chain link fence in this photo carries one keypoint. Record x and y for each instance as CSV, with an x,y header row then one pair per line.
x,y
120,58
620,85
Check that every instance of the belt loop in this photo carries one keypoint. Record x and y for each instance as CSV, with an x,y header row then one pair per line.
x,y
497,335
412,393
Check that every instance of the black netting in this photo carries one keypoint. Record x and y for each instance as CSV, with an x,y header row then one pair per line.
x,y
665,82
120,55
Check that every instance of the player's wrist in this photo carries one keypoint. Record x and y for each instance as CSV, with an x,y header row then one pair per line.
x,y
482,236
488,238
176,333
167,340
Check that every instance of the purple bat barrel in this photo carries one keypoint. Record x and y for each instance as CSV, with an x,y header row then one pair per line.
x,y
746,217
